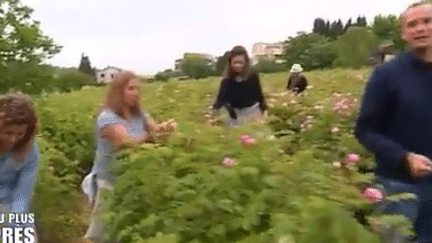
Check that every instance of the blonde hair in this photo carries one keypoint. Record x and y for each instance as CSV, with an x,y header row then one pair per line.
x,y
413,5
115,97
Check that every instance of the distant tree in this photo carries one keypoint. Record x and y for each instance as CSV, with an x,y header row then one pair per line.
x,y
196,66
319,26
347,25
336,29
23,48
310,50
161,77
85,66
327,29
21,37
361,21
221,63
268,65
355,46
167,74
387,28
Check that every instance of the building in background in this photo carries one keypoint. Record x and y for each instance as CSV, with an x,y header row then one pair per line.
x,y
107,74
268,50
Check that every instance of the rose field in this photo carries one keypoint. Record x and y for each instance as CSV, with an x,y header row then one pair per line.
x,y
299,176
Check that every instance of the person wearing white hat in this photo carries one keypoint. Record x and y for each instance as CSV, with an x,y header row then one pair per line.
x,y
297,81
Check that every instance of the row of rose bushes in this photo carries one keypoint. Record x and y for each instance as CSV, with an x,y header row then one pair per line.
x,y
300,176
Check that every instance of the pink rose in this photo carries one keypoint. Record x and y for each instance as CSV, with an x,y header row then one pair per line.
x,y
243,137
352,158
372,195
247,140
228,162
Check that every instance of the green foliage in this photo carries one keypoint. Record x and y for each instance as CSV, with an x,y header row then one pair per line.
x,y
69,80
355,46
311,51
222,63
196,66
66,144
387,28
320,55
331,224
176,190
23,49
324,28
30,78
21,37
336,28
282,189
161,77
85,66
167,74
269,65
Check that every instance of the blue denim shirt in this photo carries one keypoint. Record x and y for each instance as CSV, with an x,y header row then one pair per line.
x,y
17,180
105,147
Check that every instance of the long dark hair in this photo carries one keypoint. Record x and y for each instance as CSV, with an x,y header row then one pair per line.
x,y
17,110
237,51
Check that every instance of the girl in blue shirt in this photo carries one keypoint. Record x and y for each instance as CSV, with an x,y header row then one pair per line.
x,y
18,153
120,123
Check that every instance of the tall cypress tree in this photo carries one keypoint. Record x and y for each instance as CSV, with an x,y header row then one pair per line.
x,y
85,65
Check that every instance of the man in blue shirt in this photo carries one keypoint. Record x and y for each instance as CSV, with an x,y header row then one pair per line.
x,y
395,120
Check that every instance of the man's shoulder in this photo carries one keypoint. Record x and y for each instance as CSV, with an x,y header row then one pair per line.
x,y
400,62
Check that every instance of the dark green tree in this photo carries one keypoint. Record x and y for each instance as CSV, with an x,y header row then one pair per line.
x,y
361,21
336,29
319,26
221,63
85,66
348,24
196,66
355,46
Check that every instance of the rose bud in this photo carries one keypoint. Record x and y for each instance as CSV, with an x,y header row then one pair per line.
x,y
352,158
372,195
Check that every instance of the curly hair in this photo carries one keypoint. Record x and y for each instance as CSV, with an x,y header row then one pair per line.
x,y
17,110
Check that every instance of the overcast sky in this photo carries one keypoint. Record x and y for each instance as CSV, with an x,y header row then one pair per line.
x,y
146,36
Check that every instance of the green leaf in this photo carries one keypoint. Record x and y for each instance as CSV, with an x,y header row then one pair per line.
x,y
218,230
282,224
170,238
150,221
273,181
402,196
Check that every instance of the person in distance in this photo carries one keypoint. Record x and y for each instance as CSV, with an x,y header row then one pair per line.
x,y
240,90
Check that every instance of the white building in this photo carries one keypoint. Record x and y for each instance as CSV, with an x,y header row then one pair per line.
x,y
269,50
107,74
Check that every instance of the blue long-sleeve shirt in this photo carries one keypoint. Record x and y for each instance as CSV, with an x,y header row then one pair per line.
x,y
17,180
396,114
